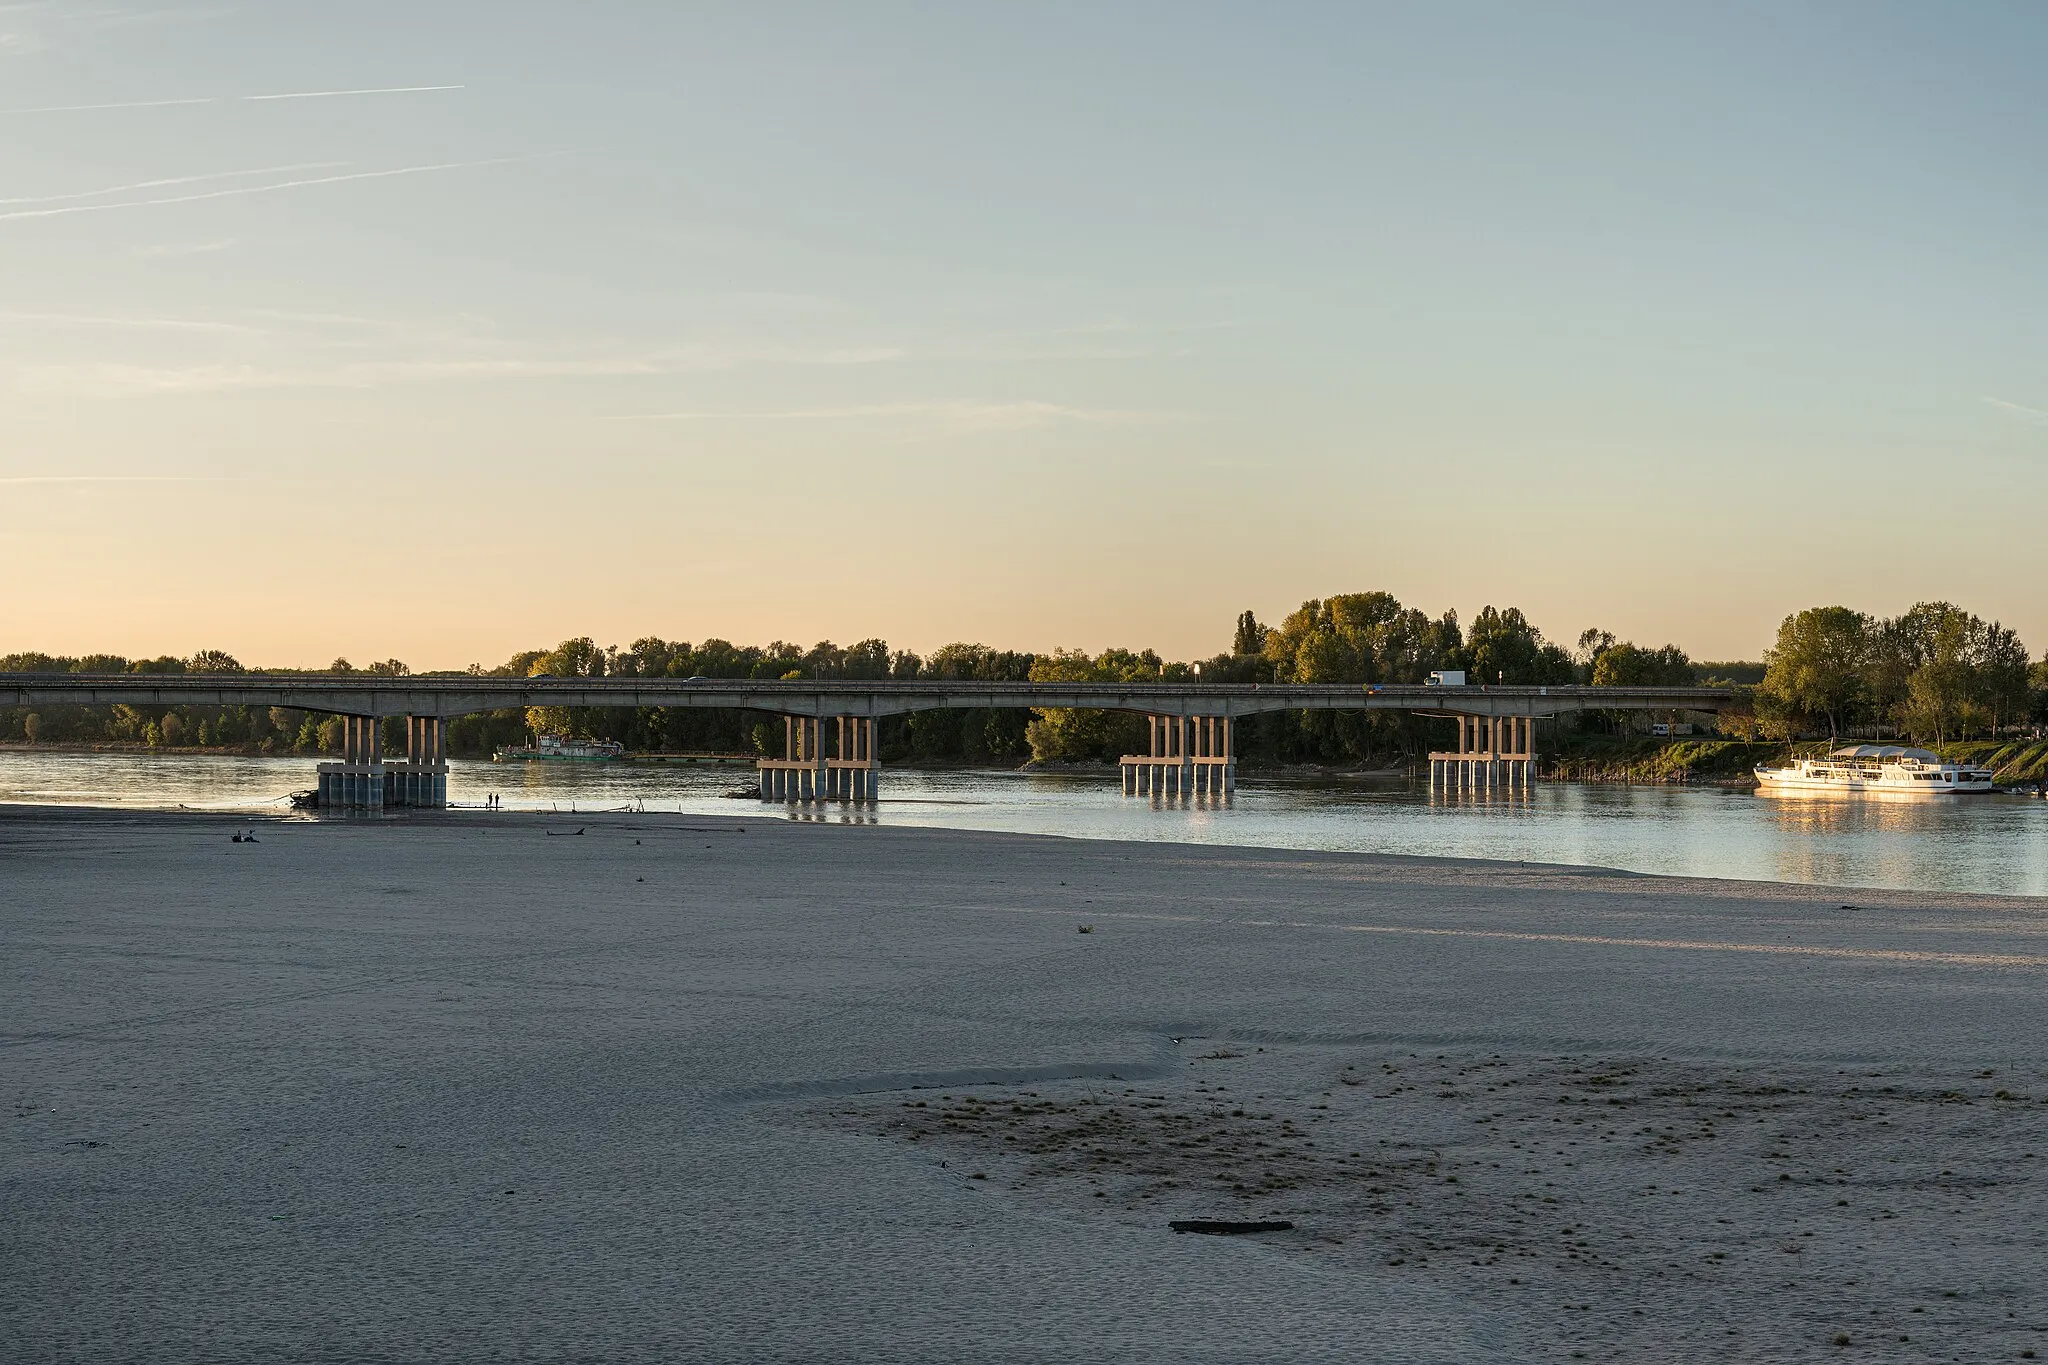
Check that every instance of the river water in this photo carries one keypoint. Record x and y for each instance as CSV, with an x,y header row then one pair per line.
x,y
1988,844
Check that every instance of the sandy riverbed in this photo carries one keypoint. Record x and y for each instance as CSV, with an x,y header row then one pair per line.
x,y
452,1088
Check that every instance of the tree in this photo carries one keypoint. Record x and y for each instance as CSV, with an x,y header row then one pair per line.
x,y
1503,647
1815,669
1250,637
1630,665
2002,684
1939,689
1077,735
1938,670
213,661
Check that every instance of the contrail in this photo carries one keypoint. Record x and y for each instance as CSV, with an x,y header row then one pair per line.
x,y
258,189
234,99
174,180
336,94
2021,408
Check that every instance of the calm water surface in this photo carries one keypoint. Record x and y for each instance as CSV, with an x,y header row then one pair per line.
x,y
1992,844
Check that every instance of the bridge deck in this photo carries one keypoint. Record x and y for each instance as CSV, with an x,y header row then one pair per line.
x,y
364,695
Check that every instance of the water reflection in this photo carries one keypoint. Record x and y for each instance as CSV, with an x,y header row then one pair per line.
x,y
1975,843
1837,814
1197,801
831,813
1493,798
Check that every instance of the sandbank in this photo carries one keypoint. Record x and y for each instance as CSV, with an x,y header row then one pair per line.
x,y
471,1086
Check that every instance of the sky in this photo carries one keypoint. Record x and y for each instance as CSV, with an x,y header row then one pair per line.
x,y
438,330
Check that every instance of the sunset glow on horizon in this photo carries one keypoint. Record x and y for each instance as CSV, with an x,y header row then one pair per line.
x,y
443,332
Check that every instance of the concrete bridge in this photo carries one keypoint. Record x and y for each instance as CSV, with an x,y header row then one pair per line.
x,y
1192,741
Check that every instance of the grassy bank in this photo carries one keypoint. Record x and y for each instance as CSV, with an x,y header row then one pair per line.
x,y
2010,760
1646,760
1642,759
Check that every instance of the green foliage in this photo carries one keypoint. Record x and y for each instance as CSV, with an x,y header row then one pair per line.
x,y
1629,665
1935,672
1250,636
1816,668
1730,673
1083,736
260,729
1505,649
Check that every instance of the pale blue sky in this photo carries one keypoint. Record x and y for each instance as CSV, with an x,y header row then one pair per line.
x,y
1035,325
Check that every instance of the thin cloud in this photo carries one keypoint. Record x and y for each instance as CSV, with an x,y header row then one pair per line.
x,y
258,189
172,180
111,478
677,361
114,379
167,324
172,250
2036,414
962,413
233,99
107,380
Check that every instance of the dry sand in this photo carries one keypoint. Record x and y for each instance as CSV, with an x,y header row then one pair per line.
x,y
451,1088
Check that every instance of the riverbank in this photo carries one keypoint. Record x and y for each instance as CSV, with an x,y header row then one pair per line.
x,y
1732,763
685,1086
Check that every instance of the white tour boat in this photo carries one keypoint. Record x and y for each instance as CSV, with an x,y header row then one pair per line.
x,y
1876,769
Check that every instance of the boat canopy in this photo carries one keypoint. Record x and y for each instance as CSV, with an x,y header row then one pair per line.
x,y
1884,752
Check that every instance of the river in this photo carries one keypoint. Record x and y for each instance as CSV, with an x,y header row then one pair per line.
x,y
1988,844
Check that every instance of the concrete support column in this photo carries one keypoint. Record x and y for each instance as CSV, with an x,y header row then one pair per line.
x,y
874,762
1229,756
820,774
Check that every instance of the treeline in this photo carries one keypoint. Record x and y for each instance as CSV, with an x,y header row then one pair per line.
x,y
1349,638
1932,674
251,729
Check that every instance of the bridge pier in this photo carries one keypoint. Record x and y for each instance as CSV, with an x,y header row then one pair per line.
x,y
357,782
851,771
422,780
364,781
1492,751
1188,756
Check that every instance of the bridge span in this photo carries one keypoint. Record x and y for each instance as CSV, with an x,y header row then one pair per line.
x,y
829,734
